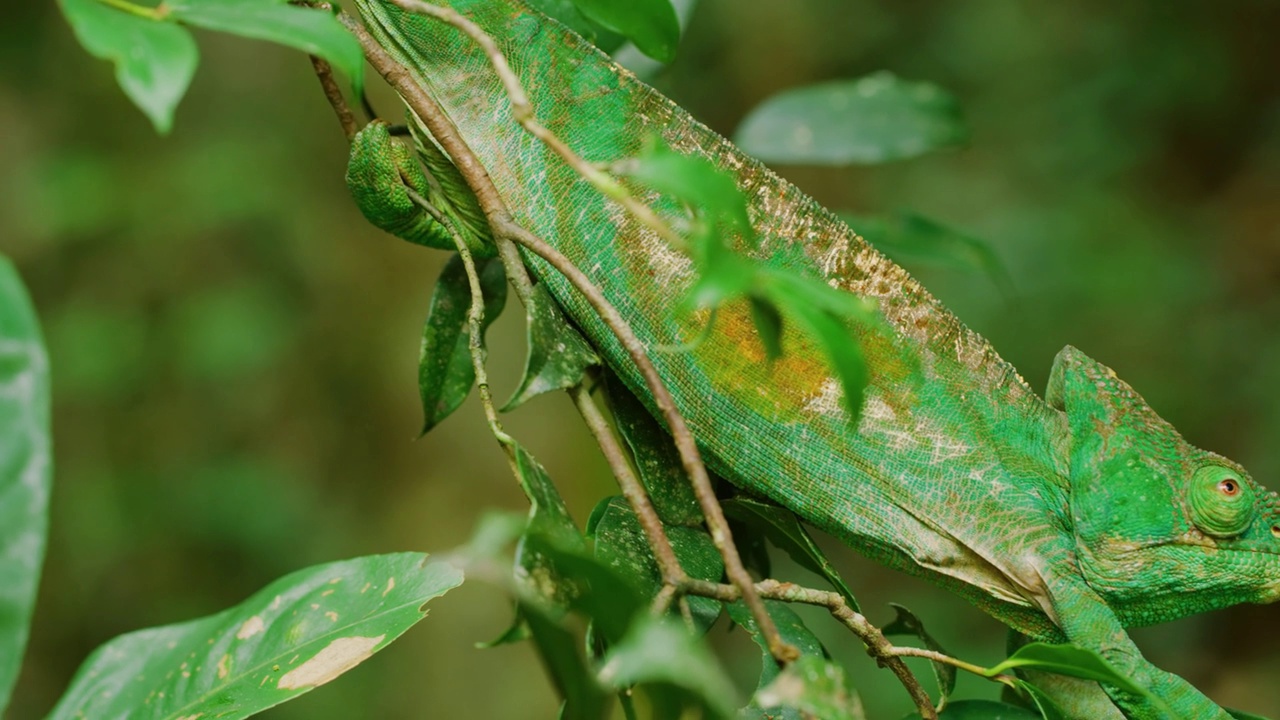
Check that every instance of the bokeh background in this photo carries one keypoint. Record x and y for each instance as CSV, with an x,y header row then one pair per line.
x,y
234,349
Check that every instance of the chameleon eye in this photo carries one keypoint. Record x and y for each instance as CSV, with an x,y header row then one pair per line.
x,y
1222,504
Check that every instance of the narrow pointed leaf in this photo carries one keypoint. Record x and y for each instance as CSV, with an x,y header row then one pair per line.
x,y
1074,661
874,119
1066,660
768,322
155,59
297,633
558,356
906,623
549,520
313,31
445,369
26,468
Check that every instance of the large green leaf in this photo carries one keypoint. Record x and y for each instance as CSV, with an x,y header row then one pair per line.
x,y
312,31
155,59
26,466
445,370
910,238
873,119
651,24
297,633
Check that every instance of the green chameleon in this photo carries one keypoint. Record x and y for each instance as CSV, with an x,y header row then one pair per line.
x,y
1067,518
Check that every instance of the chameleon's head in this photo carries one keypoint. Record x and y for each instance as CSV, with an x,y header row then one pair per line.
x,y
1163,529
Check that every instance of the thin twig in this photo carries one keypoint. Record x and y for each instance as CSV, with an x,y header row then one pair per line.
x,y
934,655
878,646
475,328
347,119
503,225
632,489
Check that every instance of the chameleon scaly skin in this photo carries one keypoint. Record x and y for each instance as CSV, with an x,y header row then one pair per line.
x,y
1071,517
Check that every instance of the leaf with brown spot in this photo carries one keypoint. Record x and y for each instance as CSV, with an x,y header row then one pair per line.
x,y
268,649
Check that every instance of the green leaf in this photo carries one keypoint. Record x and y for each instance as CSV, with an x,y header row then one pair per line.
x,y
874,119
445,371
659,652
655,456
561,653
1068,660
815,686
155,59
621,544
695,181
611,600
838,344
783,529
558,356
566,12
26,460
768,322
549,520
1042,700
313,31
906,623
981,710
299,632
794,632
651,24
909,237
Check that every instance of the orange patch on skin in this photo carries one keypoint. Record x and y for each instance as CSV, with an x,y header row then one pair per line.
x,y
735,353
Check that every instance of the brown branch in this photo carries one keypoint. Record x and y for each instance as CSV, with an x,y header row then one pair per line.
x,y
632,489
347,119
878,647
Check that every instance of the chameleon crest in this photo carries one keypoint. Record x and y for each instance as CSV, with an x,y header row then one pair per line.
x,y
1155,518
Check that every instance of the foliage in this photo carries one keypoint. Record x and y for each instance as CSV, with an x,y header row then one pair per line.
x,y
157,93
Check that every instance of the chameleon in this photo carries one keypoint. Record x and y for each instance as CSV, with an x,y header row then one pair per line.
x,y
1068,517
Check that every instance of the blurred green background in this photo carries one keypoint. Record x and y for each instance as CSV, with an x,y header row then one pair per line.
x,y
234,349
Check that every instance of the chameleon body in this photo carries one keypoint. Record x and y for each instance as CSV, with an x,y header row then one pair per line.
x,y
1067,518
